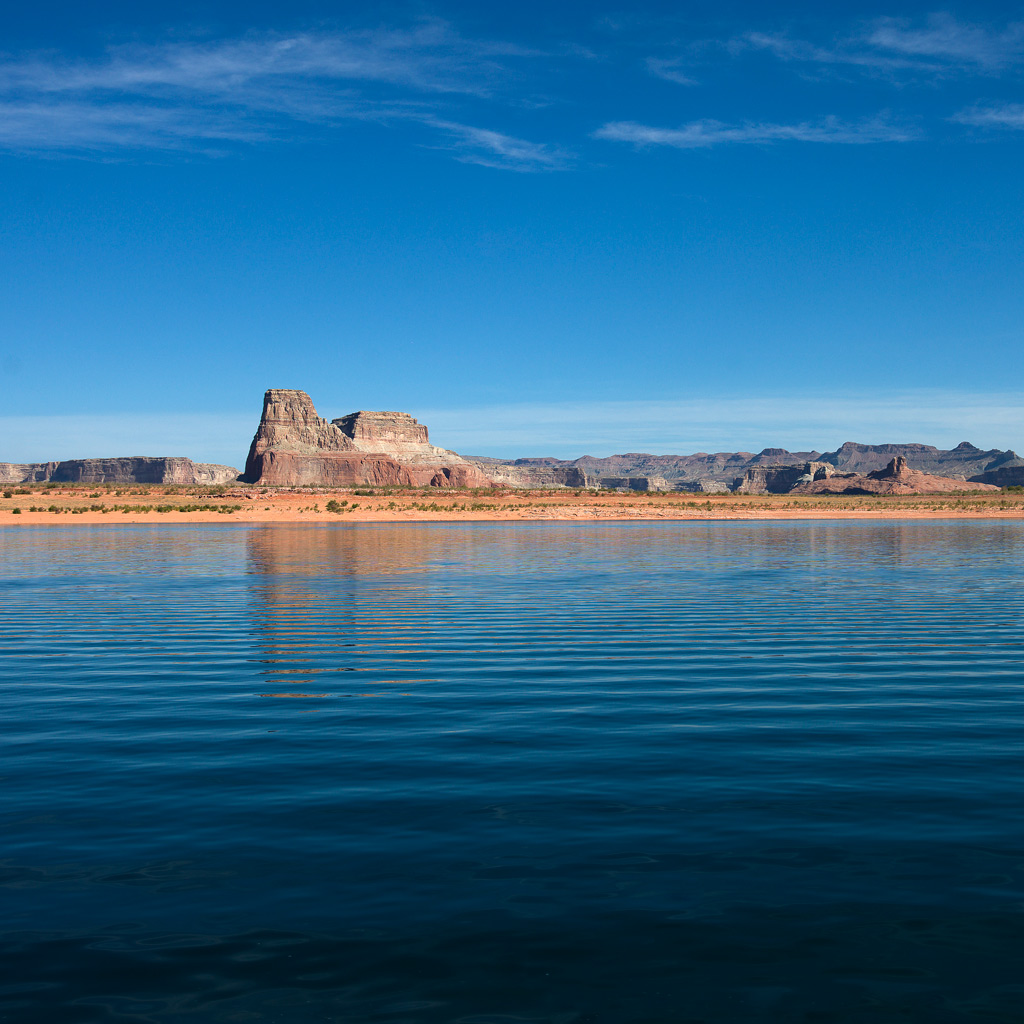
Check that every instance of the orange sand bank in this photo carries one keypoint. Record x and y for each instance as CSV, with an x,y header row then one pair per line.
x,y
82,505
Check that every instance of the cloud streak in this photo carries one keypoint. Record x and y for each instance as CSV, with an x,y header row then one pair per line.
x,y
1002,115
198,95
940,45
704,134
670,69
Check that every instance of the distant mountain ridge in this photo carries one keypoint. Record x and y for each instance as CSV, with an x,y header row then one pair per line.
x,y
725,470
294,446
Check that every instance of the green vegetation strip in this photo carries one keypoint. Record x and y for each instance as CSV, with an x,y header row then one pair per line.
x,y
224,509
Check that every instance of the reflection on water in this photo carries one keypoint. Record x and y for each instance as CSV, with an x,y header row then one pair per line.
x,y
495,772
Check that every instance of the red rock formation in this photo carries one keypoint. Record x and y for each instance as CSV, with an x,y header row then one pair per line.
x,y
294,446
896,478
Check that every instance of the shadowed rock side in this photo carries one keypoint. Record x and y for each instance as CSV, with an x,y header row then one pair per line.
x,y
896,478
128,470
1010,474
294,446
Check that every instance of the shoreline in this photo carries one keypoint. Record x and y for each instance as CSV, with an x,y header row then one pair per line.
x,y
140,505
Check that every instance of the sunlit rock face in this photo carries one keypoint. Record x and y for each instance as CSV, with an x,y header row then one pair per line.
x,y
781,479
294,446
125,470
896,478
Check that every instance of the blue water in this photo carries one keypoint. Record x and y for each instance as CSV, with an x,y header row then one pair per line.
x,y
499,773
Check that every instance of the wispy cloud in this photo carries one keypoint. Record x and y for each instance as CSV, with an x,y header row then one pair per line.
x,y
494,149
1000,115
197,94
704,134
671,69
431,58
938,45
943,38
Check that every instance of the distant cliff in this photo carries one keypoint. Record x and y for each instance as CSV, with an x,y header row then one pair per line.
x,y
295,446
126,470
773,470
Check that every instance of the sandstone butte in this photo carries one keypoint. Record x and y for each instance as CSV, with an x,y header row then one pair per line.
x,y
294,446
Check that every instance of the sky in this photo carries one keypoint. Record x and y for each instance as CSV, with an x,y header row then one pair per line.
x,y
559,228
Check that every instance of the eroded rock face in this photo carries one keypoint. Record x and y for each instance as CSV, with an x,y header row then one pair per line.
x,y
402,438
1011,474
781,479
26,472
531,472
126,470
294,446
382,428
725,470
896,478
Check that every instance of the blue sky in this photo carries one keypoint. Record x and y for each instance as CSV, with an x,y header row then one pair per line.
x,y
561,229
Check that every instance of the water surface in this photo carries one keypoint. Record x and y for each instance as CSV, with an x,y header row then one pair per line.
x,y
513,772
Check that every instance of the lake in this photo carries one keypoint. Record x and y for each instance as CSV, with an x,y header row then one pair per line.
x,y
499,773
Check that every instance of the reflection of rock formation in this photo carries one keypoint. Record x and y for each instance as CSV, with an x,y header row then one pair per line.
x,y
295,446
327,604
292,606
128,470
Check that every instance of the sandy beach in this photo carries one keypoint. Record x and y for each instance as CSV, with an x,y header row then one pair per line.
x,y
96,506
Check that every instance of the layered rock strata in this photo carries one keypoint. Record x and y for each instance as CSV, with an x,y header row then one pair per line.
x,y
531,472
294,446
782,469
1010,474
781,479
126,470
896,478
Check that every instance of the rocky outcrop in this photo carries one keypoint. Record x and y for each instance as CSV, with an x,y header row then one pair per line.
x,y
531,473
631,483
1009,474
404,439
26,472
394,432
962,461
294,446
727,470
781,479
701,472
896,478
126,470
